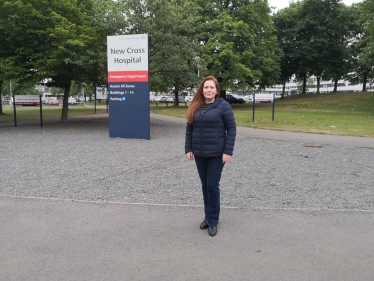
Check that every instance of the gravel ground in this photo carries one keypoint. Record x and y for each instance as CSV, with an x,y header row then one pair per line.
x,y
79,161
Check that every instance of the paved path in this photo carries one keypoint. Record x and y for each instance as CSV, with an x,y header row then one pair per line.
x,y
67,240
52,239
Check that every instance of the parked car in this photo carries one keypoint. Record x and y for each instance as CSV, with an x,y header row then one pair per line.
x,y
7,100
188,98
166,99
181,98
233,98
72,101
157,98
53,101
247,98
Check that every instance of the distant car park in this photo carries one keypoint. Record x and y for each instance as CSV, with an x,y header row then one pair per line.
x,y
166,98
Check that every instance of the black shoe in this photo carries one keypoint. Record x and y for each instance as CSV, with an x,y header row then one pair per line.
x,y
204,225
212,230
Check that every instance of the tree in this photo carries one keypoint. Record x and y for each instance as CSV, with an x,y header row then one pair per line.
x,y
285,21
362,57
239,43
58,39
174,61
19,88
316,37
6,50
343,36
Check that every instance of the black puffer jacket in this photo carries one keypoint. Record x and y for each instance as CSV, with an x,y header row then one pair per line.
x,y
213,133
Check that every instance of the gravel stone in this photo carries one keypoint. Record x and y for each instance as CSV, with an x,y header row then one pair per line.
x,y
79,161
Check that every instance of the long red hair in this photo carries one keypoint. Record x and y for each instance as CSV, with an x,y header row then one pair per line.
x,y
199,99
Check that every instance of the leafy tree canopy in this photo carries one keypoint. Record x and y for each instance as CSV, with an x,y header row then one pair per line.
x,y
239,43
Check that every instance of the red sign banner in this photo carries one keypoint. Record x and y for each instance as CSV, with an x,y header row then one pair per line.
x,y
128,76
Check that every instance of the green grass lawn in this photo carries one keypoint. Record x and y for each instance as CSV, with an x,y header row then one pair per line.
x,y
350,114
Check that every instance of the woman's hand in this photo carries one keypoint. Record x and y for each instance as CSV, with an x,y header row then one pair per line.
x,y
189,155
226,158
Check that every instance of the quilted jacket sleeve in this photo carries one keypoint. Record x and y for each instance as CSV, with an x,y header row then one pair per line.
x,y
188,142
230,127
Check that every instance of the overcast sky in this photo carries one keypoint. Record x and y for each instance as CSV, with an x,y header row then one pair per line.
x,y
280,4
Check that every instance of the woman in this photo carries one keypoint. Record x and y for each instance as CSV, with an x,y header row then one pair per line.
x,y
210,139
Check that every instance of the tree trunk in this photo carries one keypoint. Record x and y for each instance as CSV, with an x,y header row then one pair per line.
x,y
176,98
364,81
65,105
336,84
318,83
222,93
283,90
304,84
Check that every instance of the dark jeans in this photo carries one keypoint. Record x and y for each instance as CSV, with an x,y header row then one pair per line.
x,y
210,170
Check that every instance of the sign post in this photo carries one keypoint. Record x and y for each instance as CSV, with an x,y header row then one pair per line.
x,y
41,111
128,86
263,98
272,115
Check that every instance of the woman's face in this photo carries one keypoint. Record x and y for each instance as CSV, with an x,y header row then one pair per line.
x,y
209,91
